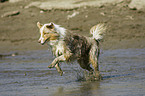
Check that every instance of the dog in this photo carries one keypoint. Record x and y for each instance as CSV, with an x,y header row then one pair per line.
x,y
68,46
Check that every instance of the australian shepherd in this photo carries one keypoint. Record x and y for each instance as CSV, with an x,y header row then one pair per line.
x,y
68,46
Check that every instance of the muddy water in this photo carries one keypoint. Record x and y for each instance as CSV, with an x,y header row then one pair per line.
x,y
26,74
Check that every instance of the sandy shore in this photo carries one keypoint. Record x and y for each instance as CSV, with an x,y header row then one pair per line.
x,y
19,31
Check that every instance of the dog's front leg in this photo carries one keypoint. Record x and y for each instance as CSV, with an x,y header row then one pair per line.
x,y
58,69
57,60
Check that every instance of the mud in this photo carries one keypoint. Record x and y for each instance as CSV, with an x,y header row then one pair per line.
x,y
23,62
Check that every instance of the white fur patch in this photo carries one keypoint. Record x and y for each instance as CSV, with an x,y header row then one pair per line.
x,y
57,47
60,30
98,31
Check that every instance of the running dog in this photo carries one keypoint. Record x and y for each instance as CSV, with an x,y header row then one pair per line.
x,y
68,46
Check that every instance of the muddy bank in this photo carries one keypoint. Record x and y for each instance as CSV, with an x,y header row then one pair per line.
x,y
19,32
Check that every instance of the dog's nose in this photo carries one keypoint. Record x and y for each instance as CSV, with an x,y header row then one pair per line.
x,y
39,41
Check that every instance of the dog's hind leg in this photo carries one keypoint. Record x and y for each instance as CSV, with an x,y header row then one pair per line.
x,y
58,69
94,55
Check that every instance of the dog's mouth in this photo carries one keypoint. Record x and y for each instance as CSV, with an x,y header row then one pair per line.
x,y
45,41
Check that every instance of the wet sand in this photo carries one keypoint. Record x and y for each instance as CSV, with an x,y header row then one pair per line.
x,y
26,74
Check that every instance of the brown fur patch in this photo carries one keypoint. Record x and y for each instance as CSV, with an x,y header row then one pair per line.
x,y
51,36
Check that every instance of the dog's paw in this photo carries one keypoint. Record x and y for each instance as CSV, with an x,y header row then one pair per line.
x,y
50,66
98,77
61,73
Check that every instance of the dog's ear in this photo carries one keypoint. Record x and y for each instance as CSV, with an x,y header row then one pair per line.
x,y
39,25
50,26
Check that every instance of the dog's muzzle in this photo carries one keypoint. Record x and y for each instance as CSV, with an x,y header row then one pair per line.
x,y
42,43
39,41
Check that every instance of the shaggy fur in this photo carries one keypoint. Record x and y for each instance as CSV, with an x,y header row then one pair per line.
x,y
68,46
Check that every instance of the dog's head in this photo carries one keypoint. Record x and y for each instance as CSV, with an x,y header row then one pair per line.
x,y
47,32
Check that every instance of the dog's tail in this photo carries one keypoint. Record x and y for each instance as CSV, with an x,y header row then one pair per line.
x,y
98,31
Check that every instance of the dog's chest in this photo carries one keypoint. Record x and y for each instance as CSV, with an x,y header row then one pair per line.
x,y
58,48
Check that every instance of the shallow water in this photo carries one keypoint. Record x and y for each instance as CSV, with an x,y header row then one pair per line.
x,y
26,74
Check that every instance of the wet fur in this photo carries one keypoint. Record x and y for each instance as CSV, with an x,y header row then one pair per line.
x,y
68,46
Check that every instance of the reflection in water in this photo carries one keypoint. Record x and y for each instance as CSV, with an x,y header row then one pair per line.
x,y
84,89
